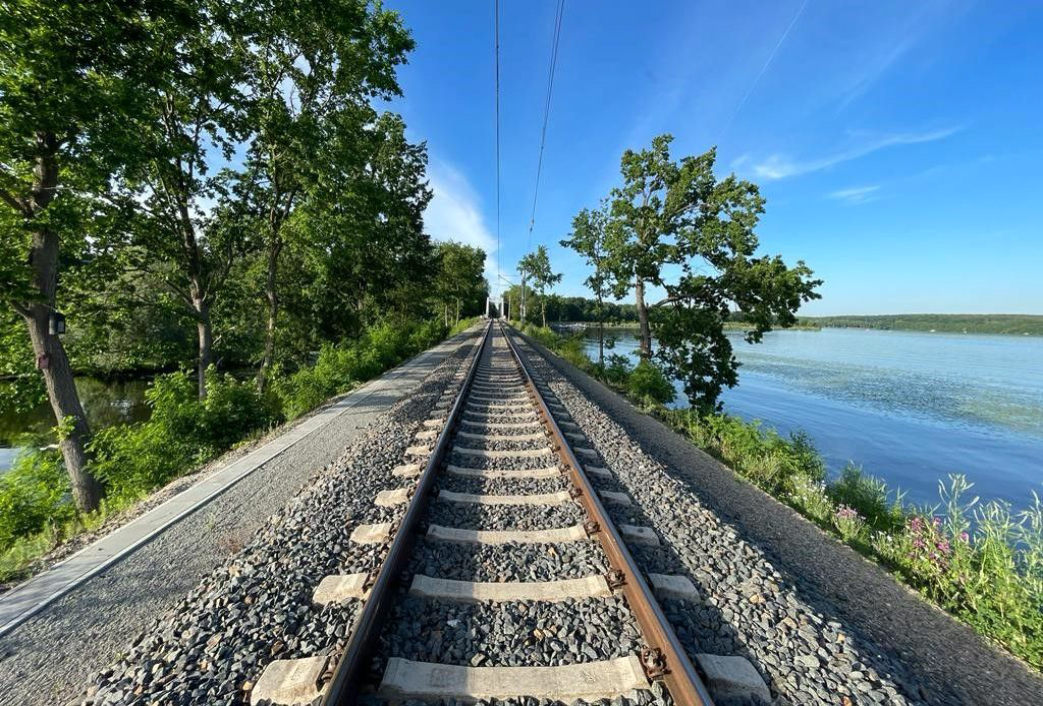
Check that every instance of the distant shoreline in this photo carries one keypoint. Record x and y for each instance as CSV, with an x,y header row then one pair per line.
x,y
1006,324
996,324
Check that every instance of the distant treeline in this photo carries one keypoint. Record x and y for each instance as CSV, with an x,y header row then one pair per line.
x,y
1018,324
580,309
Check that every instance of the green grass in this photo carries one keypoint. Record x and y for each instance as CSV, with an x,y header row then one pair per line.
x,y
982,562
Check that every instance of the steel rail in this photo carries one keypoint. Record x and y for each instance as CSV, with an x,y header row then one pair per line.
x,y
351,670
666,658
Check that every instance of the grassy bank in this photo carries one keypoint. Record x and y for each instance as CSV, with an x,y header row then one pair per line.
x,y
1010,324
982,562
182,434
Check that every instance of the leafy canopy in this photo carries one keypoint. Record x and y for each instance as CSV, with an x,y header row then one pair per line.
x,y
677,217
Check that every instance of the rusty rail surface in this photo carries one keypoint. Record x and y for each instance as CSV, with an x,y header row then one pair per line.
x,y
352,670
665,657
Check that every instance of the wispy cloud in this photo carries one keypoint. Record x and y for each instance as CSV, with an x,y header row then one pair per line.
x,y
779,166
455,213
856,194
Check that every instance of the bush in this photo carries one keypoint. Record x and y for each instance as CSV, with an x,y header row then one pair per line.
x,y
34,494
183,431
869,496
649,386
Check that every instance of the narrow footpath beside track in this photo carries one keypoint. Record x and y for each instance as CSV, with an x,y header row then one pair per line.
x,y
517,556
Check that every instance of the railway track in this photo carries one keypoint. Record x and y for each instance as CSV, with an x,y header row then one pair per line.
x,y
505,577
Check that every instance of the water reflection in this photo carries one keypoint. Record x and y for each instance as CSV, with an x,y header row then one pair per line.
x,y
909,407
105,402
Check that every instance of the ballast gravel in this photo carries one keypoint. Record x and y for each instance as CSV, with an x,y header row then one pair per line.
x,y
509,562
501,486
212,647
516,634
746,607
504,517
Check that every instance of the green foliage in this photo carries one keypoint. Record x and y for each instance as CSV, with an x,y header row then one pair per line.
x,y
649,386
33,495
182,432
535,266
870,497
674,225
342,366
460,285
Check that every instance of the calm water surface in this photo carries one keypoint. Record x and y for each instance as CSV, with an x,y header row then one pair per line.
x,y
105,402
908,407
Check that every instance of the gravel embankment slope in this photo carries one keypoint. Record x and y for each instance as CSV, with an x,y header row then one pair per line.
x,y
49,658
727,534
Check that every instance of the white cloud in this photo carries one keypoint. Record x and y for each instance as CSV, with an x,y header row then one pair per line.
x,y
856,194
778,166
455,213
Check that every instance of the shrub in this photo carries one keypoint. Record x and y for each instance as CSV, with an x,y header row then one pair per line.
x,y
648,384
617,369
869,496
34,494
182,431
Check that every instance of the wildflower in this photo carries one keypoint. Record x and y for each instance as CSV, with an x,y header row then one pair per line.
x,y
965,538
943,547
937,522
916,524
846,513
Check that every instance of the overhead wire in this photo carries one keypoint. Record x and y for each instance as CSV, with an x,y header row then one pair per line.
x,y
497,51
559,13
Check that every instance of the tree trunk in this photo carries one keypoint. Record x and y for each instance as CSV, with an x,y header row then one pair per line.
x,y
645,350
272,297
50,353
65,403
458,311
206,341
601,334
543,310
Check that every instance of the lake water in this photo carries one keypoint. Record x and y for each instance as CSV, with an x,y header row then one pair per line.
x,y
908,407
104,402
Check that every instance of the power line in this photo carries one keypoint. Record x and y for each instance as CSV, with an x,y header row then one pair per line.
x,y
546,113
497,41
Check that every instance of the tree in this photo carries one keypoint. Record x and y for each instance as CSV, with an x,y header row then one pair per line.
x,y
313,67
678,214
459,278
536,266
195,115
588,239
73,77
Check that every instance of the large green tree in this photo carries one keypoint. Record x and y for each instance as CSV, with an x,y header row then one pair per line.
x,y
588,238
193,119
676,217
536,268
459,282
313,68
74,77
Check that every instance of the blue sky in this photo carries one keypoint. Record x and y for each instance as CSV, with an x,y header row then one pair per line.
x,y
898,144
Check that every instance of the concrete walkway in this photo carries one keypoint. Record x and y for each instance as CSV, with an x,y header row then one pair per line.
x,y
60,621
